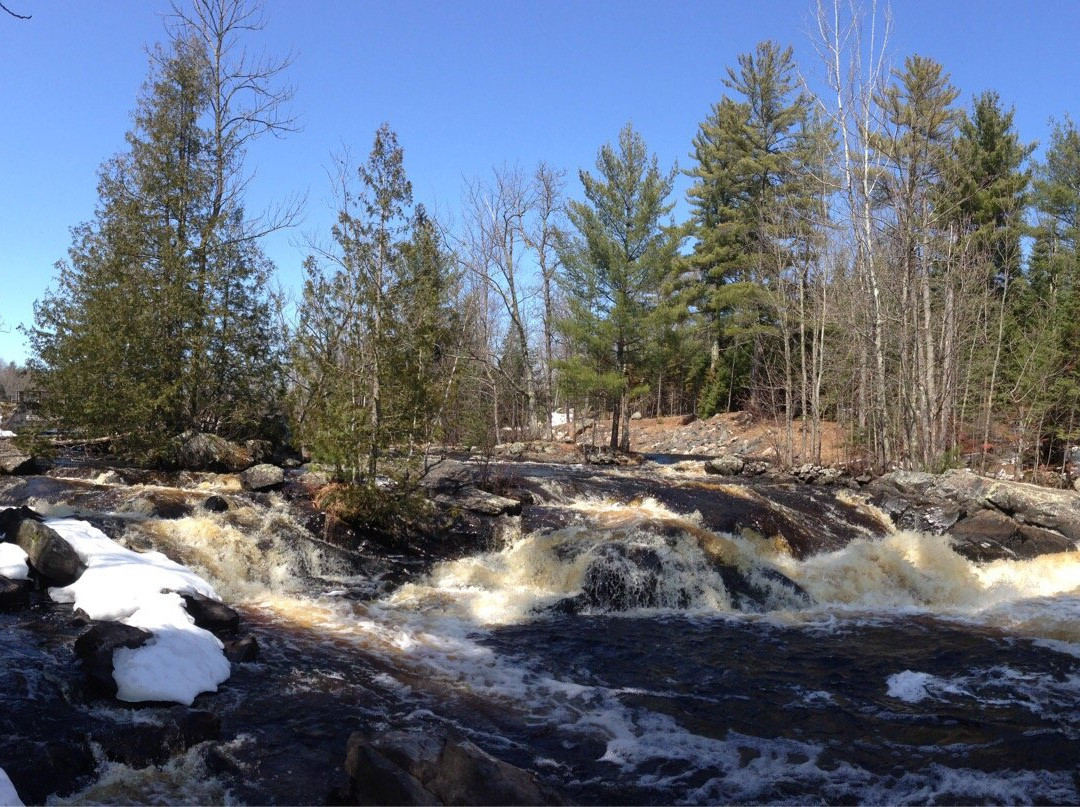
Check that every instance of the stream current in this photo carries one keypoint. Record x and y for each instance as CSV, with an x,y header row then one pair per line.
x,y
626,650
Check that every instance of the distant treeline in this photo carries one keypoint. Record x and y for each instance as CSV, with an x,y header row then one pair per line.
x,y
851,254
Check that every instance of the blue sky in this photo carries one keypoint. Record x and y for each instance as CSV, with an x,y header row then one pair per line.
x,y
467,85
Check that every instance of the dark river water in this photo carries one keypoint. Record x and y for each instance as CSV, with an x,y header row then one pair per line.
x,y
630,653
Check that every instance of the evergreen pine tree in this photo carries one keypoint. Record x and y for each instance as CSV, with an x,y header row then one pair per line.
x,y
612,272
160,320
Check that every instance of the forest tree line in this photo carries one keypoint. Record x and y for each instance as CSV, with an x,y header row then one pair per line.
x,y
880,253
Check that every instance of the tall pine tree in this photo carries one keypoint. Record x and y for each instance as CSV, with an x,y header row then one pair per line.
x,y
612,271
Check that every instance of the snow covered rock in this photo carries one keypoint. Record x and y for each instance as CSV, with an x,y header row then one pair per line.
x,y
143,590
96,646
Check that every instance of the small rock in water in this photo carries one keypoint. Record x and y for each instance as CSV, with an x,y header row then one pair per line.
x,y
239,651
210,614
216,504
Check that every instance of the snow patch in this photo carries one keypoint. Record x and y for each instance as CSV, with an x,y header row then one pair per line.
x,y
5,434
13,564
143,590
8,795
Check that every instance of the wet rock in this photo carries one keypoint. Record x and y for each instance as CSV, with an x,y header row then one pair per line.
x,y
466,774
210,614
47,553
216,504
151,503
14,594
142,744
726,465
40,768
374,779
241,651
262,477
197,451
402,768
989,535
95,648
759,589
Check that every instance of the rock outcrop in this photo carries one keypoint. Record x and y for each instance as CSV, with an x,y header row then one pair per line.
x,y
987,519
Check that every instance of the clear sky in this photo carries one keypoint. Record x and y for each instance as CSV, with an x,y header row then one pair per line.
x,y
467,85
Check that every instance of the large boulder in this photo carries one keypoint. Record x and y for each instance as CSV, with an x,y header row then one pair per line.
x,y
262,477
726,465
198,451
48,554
988,518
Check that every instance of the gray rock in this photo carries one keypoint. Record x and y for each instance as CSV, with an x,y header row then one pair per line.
x,y
197,451
726,465
13,461
262,477
478,501
47,553
989,535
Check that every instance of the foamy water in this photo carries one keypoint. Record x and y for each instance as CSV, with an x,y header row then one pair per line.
x,y
681,693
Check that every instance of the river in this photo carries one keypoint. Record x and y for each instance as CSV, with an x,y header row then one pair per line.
x,y
620,644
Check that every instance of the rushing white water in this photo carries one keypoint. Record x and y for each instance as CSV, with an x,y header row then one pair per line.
x,y
462,634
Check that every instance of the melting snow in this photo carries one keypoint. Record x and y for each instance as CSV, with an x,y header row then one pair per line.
x,y
13,562
8,796
143,590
